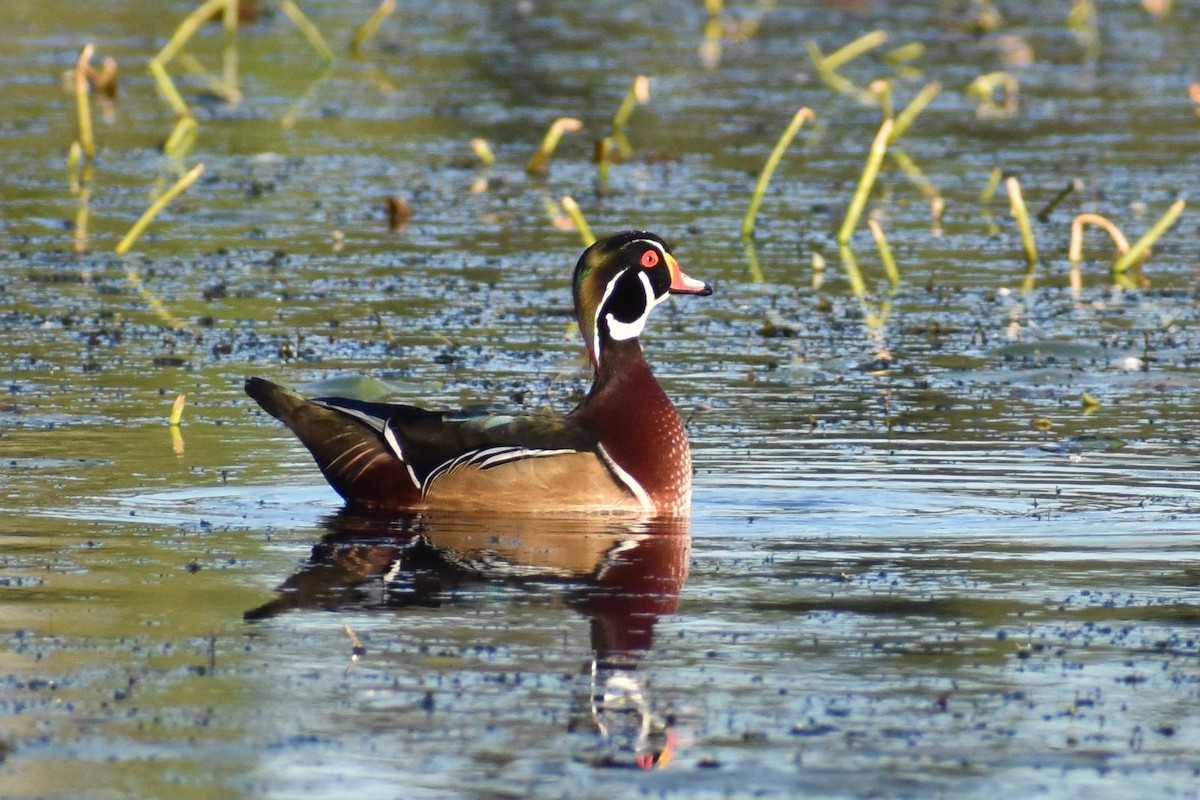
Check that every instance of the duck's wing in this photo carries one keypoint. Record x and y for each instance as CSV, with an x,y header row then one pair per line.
x,y
391,455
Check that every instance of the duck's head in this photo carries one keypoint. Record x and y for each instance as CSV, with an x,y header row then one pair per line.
x,y
618,280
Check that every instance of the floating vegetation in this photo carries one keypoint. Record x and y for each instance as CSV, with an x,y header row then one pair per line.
x,y
1021,214
576,214
768,169
865,182
983,90
539,162
368,28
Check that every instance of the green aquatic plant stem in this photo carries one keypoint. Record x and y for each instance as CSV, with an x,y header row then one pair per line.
x,y
156,208
639,94
1021,214
885,253
1048,209
1075,251
483,151
230,74
866,182
368,28
306,26
167,87
576,214
540,160
83,103
848,52
768,169
989,189
191,23
905,118
1135,253
850,264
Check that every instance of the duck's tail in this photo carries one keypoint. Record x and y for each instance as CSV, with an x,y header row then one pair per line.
x,y
352,454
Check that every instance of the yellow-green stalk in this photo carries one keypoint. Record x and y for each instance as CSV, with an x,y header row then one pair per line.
x,y
866,182
857,286
573,211
639,94
484,152
368,28
177,410
167,87
181,137
191,23
83,103
905,118
989,189
885,253
756,273
1021,213
539,161
1075,252
1134,254
156,207
306,26
230,74
847,53
769,168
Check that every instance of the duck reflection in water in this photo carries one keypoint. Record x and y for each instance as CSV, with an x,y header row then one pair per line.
x,y
621,573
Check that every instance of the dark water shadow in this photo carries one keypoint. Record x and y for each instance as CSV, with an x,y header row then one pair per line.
x,y
622,575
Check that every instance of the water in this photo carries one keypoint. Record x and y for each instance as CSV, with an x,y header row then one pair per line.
x,y
919,563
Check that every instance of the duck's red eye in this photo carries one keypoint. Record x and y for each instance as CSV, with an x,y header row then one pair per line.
x,y
650,259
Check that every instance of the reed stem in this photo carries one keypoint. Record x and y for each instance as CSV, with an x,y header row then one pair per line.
x,y
156,208
1075,252
853,273
768,169
368,28
191,23
83,103
306,26
906,117
1021,213
866,182
639,94
540,160
576,214
167,87
848,52
1048,209
989,189
1135,253
885,253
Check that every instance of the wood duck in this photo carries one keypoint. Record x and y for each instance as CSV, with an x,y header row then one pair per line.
x,y
623,449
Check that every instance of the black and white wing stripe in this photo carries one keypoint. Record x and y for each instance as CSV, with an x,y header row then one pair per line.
x,y
489,458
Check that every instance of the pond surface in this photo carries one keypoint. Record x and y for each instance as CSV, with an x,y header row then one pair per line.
x,y
943,541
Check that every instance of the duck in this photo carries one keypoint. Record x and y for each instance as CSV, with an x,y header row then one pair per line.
x,y
623,449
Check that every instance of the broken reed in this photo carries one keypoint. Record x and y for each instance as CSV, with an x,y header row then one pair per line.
x,y
638,94
768,169
866,182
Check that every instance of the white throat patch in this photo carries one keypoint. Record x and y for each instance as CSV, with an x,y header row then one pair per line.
x,y
618,330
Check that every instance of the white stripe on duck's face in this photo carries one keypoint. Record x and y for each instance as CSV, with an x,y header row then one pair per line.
x,y
627,301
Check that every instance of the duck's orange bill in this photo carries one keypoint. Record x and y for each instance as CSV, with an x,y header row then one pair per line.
x,y
681,283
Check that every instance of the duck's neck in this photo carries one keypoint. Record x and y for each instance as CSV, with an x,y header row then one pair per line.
x,y
638,426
